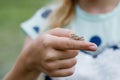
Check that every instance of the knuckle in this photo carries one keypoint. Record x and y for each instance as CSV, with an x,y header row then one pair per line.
x,y
71,44
70,72
67,73
68,44
61,29
50,57
46,42
74,61
75,52
68,64
48,67
71,63
57,28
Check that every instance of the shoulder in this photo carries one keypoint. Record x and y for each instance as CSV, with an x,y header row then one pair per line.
x,y
36,24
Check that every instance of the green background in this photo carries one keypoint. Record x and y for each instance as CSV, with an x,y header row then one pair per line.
x,y
12,13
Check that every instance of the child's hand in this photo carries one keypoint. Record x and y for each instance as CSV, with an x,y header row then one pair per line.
x,y
54,53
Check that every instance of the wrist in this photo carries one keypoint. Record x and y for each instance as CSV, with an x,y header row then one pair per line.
x,y
22,72
25,65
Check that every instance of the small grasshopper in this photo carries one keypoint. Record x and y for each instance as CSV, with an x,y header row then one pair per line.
x,y
76,37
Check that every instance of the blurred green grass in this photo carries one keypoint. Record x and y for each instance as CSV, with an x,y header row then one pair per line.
x,y
12,13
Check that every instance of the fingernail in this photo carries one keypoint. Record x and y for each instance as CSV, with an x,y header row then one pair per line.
x,y
93,47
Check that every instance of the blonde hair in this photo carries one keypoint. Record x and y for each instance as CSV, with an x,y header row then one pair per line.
x,y
63,15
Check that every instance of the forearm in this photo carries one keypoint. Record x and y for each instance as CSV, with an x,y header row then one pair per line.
x,y
20,73
14,75
22,69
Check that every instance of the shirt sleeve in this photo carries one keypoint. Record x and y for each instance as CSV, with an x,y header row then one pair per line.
x,y
36,24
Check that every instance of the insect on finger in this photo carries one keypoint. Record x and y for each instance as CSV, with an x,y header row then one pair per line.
x,y
76,37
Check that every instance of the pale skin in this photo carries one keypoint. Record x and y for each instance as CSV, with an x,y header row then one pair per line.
x,y
47,54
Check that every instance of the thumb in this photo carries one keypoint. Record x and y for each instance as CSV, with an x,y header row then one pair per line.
x,y
60,32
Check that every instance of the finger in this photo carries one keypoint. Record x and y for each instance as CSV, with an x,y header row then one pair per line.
x,y
62,72
54,55
67,54
60,32
59,64
67,63
63,43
